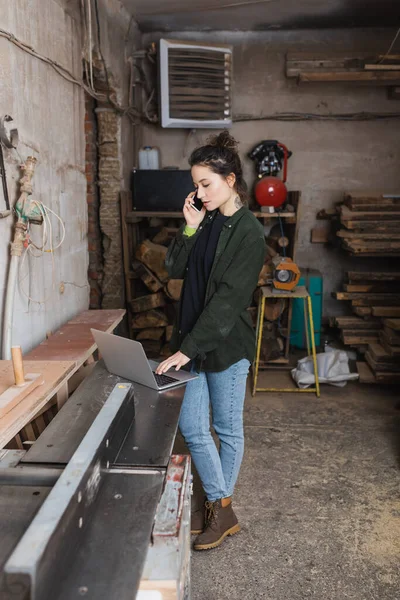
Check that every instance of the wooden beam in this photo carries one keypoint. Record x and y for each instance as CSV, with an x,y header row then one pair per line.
x,y
349,76
373,276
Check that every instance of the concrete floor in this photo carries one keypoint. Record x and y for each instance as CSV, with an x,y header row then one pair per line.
x,y
317,499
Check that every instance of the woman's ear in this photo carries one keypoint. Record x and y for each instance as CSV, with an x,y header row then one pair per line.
x,y
231,180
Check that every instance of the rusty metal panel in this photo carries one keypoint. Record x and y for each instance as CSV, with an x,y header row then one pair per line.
x,y
167,567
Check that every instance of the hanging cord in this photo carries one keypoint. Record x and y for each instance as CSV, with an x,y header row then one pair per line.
x,y
47,246
282,233
390,47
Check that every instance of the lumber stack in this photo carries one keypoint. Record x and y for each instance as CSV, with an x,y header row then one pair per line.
x,y
345,67
374,329
370,224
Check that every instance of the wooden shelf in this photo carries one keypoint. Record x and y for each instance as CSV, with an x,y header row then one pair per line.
x,y
135,214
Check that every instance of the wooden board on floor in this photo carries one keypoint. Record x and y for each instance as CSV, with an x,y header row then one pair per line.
x,y
368,376
74,340
55,374
365,373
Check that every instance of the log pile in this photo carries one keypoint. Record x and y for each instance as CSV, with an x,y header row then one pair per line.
x,y
154,307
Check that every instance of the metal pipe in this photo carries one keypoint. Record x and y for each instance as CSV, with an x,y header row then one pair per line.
x,y
17,247
9,308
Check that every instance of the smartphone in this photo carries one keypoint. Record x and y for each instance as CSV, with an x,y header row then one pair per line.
x,y
197,203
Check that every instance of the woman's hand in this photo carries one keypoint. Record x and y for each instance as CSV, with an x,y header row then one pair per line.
x,y
193,218
177,360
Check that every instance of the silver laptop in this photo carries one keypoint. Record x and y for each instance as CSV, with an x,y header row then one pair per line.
x,y
127,358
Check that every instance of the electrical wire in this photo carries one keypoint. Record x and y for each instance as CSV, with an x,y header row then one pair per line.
x,y
390,47
47,246
282,233
133,114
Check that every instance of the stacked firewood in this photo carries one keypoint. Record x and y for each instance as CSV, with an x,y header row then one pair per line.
x,y
154,308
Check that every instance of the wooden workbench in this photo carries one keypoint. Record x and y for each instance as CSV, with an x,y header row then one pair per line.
x,y
59,358
55,374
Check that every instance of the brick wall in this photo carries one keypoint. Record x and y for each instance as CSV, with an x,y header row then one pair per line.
x,y
109,177
95,272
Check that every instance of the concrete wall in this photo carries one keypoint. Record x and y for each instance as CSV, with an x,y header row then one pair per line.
x,y
49,113
328,157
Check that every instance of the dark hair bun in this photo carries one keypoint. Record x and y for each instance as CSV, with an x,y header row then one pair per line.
x,y
223,140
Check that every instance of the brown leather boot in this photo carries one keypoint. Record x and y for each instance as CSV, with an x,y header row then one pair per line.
x,y
221,521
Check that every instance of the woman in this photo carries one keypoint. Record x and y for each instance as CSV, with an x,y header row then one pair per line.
x,y
219,253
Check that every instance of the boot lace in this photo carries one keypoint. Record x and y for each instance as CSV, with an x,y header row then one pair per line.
x,y
211,514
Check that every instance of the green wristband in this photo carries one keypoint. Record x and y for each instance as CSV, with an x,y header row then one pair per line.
x,y
189,231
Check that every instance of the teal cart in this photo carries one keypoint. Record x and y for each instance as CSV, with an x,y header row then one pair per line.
x,y
311,279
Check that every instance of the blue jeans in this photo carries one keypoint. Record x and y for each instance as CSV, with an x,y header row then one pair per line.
x,y
225,391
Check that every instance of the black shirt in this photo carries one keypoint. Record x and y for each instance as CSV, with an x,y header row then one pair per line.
x,y
199,266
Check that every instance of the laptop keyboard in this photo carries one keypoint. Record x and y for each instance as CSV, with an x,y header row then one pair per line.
x,y
164,379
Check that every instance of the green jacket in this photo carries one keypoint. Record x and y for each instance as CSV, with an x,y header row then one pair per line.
x,y
224,333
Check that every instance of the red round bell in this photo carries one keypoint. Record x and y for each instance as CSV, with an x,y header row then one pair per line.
x,y
270,191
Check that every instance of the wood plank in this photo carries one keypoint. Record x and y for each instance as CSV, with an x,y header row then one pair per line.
x,y
12,396
392,324
74,341
357,323
368,302
358,340
367,235
381,67
373,276
384,248
349,215
386,311
363,311
391,350
54,373
393,337
379,354
367,296
365,373
350,76
372,287
381,366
